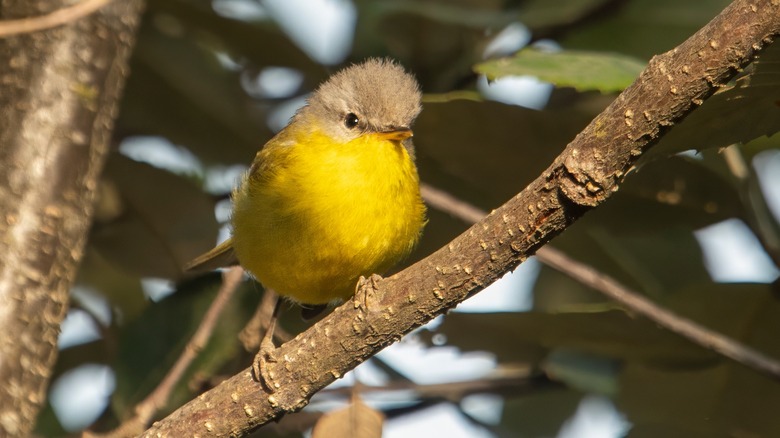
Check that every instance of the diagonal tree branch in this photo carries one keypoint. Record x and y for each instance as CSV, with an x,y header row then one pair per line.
x,y
632,300
586,173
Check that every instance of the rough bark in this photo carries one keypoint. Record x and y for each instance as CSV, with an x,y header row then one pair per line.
x,y
58,101
587,172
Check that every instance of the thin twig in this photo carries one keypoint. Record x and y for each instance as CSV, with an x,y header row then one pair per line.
x,y
231,278
684,327
610,287
53,19
508,381
145,411
445,202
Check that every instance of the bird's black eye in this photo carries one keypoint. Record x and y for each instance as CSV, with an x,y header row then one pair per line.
x,y
351,120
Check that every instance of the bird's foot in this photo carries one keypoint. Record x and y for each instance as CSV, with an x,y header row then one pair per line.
x,y
260,366
365,290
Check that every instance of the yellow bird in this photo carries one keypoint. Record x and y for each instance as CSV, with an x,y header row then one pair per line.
x,y
334,195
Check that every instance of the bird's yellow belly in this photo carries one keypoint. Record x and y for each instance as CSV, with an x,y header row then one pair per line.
x,y
327,215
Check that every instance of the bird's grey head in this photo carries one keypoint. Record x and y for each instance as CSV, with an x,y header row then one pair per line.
x,y
377,95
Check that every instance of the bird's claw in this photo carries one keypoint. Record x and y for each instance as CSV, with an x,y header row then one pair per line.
x,y
364,288
260,366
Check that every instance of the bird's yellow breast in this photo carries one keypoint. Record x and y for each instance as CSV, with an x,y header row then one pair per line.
x,y
314,215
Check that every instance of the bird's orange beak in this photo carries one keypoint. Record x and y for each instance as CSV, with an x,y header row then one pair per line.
x,y
397,134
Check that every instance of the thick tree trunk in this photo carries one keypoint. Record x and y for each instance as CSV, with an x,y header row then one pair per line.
x,y
57,105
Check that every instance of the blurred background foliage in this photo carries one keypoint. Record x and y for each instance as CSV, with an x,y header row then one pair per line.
x,y
213,80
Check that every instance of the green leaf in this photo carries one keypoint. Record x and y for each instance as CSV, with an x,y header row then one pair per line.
x,y
657,263
458,142
121,289
149,345
540,15
180,90
166,220
531,335
676,192
761,144
641,28
439,41
490,149
674,401
583,371
47,423
238,37
584,71
470,13
642,237
540,413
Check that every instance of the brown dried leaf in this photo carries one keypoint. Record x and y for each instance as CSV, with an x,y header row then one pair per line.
x,y
356,421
